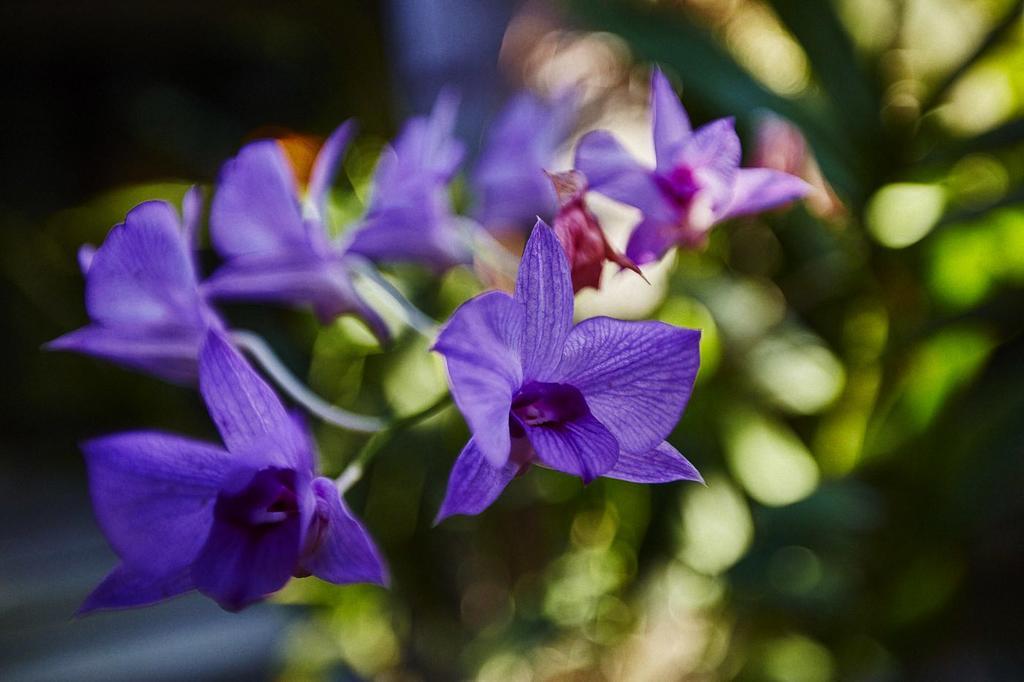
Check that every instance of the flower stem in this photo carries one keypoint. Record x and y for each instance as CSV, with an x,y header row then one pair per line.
x,y
354,471
263,354
413,316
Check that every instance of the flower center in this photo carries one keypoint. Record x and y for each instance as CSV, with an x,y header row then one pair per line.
x,y
693,197
547,404
680,185
269,497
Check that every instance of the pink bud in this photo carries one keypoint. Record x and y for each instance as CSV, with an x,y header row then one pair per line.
x,y
580,233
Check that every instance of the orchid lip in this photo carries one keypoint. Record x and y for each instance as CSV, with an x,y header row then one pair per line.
x,y
548,404
680,185
269,497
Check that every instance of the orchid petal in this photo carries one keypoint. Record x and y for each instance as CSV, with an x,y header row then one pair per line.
x,y
509,179
515,200
713,153
346,553
153,495
168,354
474,483
437,150
635,376
250,417
325,166
424,153
238,566
663,464
613,172
651,240
255,209
669,119
582,447
410,216
481,345
422,228
86,252
142,275
761,189
125,587
544,289
191,217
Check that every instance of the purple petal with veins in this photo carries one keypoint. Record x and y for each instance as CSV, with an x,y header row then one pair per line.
x,y
142,294
537,390
235,523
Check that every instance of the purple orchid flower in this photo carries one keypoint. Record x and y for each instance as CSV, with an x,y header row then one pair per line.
x,y
594,399
142,293
410,217
273,237
235,524
509,179
696,183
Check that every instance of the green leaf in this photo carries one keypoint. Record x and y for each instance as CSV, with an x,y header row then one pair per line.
x,y
1000,137
836,64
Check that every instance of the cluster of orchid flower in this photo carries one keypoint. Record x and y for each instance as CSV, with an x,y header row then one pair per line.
x,y
237,521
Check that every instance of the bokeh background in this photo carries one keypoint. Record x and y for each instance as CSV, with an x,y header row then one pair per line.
x,y
859,415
